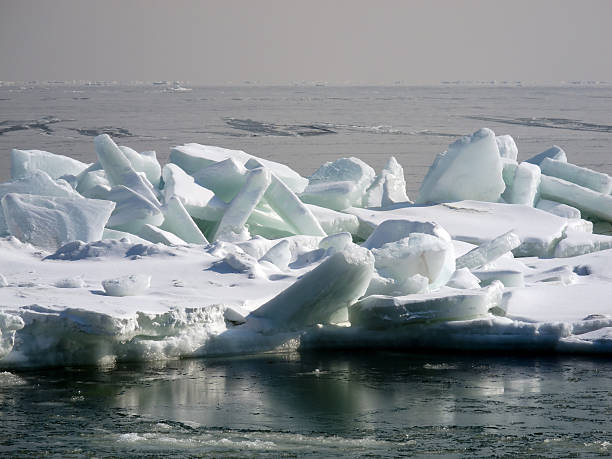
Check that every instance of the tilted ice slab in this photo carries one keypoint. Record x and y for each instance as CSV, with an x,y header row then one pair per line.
x,y
478,222
193,157
586,200
582,176
471,168
50,222
26,162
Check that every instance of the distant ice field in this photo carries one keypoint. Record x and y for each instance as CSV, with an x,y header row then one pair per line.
x,y
306,126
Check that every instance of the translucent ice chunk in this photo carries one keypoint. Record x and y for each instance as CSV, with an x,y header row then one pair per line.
x,y
489,251
332,195
145,162
25,162
507,146
178,222
288,206
336,242
333,221
578,243
331,286
50,222
135,284
38,183
242,205
588,178
524,186
157,235
424,254
199,202
508,277
225,178
556,208
394,187
464,279
588,201
279,255
386,312
394,230
92,180
132,210
193,157
553,152
119,170
471,168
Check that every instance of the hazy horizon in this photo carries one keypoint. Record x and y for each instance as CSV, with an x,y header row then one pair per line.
x,y
276,42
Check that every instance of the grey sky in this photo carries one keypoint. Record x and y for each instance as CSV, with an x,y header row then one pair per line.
x,y
218,42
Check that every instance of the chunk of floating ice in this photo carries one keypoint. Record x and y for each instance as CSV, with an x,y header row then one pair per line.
x,y
38,183
339,184
192,157
582,176
553,152
199,202
388,188
25,162
489,251
588,201
579,243
539,231
333,221
331,286
288,206
119,170
463,278
556,208
429,256
178,221
394,230
134,284
242,205
507,146
50,222
524,186
471,168
145,162
386,312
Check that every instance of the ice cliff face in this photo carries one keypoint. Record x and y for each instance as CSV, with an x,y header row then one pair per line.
x,y
222,252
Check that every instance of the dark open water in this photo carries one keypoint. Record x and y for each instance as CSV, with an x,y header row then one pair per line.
x,y
361,405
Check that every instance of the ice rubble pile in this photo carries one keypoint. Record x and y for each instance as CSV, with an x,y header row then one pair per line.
x,y
344,246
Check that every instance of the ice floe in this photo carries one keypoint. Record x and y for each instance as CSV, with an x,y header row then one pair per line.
x,y
221,252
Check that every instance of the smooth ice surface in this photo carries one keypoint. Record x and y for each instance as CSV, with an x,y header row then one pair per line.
x,y
50,222
334,284
556,208
477,222
38,183
489,251
26,162
463,278
471,168
193,157
178,221
587,201
119,170
332,221
583,176
157,235
579,243
387,312
525,185
145,162
507,146
553,152
132,210
394,230
225,178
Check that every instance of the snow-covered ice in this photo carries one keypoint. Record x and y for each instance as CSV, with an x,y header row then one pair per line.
x,y
221,252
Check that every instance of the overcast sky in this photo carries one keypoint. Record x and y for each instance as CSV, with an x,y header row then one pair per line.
x,y
360,41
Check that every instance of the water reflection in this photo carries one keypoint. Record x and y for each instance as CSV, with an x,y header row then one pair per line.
x,y
389,400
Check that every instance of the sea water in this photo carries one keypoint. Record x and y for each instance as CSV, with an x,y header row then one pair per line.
x,y
342,404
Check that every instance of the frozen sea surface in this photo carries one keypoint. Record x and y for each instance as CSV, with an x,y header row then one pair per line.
x,y
306,126
341,405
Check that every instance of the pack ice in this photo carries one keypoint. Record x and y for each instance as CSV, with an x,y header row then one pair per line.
x,y
221,252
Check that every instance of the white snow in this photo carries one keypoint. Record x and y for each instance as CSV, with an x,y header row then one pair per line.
x,y
119,267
